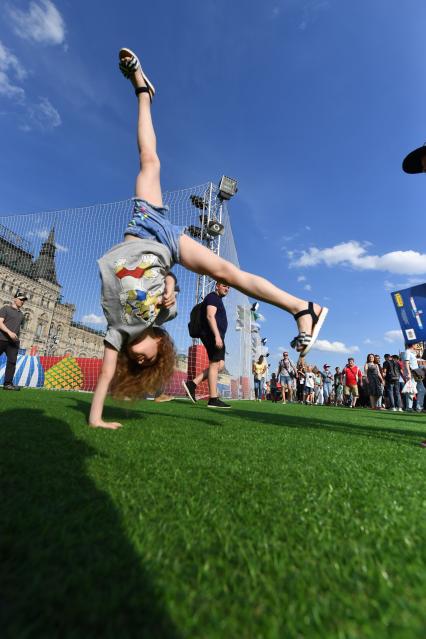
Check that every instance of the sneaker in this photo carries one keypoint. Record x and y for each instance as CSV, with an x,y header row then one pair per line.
x,y
11,387
423,444
393,409
215,402
190,387
400,410
163,398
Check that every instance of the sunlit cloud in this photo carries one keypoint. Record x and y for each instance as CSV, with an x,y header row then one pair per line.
x,y
42,23
334,347
355,254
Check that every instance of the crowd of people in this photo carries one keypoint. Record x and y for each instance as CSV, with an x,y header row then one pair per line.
x,y
395,383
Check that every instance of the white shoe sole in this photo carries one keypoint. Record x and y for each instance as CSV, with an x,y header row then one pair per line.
x,y
128,53
318,326
188,393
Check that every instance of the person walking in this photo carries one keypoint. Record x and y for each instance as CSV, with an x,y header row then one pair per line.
x,y
259,371
318,387
377,360
327,383
273,388
11,318
410,365
337,381
214,324
391,374
374,381
352,376
286,374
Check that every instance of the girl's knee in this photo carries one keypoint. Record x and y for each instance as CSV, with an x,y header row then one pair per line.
x,y
226,272
150,160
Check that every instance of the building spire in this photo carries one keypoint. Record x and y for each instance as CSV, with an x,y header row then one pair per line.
x,y
44,266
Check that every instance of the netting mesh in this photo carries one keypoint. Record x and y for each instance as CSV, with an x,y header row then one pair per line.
x,y
51,256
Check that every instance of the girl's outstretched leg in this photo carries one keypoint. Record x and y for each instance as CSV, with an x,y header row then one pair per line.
x,y
148,185
201,260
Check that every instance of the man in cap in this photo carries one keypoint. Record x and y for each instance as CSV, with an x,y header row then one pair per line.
x,y
11,318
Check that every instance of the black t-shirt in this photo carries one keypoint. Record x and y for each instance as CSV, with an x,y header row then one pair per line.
x,y
213,299
13,319
391,370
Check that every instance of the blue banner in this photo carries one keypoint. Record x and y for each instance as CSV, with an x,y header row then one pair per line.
x,y
410,306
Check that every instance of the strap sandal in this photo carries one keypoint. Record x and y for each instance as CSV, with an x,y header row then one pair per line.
x,y
303,342
129,63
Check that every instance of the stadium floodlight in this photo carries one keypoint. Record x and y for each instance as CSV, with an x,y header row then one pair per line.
x,y
198,201
254,307
215,228
195,231
227,187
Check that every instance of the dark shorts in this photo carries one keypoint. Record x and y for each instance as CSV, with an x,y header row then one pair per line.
x,y
215,354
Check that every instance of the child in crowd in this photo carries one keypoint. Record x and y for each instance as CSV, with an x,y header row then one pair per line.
x,y
273,388
339,393
318,388
138,289
309,386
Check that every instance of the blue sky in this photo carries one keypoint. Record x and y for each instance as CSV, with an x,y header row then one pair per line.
x,y
311,105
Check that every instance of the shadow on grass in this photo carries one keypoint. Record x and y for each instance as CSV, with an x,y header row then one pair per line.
x,y
66,566
124,410
311,422
123,413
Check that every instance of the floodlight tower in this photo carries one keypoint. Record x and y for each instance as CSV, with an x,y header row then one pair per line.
x,y
211,228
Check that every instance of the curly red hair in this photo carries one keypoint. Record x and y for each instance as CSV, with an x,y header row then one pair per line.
x,y
133,382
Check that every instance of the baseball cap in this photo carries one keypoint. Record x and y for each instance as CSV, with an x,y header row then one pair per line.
x,y
326,365
21,296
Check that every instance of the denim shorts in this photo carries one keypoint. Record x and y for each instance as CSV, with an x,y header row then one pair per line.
x,y
151,222
285,380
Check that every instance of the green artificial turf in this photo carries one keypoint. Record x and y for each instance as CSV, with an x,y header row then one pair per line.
x,y
265,521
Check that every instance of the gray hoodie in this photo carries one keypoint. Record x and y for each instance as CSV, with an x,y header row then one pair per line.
x,y
132,275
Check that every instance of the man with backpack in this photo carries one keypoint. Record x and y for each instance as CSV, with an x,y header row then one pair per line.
x,y
391,373
213,324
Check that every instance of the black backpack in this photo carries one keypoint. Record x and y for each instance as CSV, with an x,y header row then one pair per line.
x,y
394,371
195,321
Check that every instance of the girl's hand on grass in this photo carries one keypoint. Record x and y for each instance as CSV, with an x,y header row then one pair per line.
x,y
108,425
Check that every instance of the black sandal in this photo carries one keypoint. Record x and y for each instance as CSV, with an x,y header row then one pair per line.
x,y
303,339
129,63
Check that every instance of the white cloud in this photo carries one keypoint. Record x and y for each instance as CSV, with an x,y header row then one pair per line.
x,y
307,228
42,115
307,287
334,347
42,23
43,234
311,12
368,341
397,286
394,336
301,278
9,64
92,318
354,254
